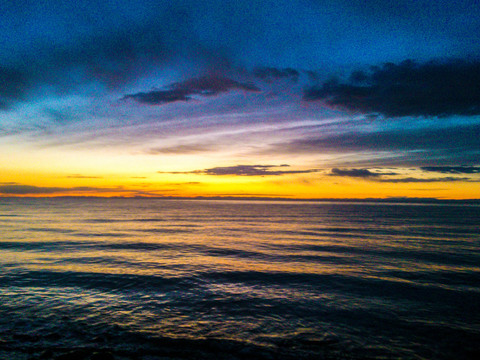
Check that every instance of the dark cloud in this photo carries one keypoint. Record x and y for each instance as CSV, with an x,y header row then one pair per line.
x,y
270,74
362,173
111,59
378,176
407,89
158,97
111,55
20,189
183,91
117,41
453,169
13,84
28,189
247,170
425,180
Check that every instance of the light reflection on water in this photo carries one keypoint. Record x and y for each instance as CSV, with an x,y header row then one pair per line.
x,y
374,280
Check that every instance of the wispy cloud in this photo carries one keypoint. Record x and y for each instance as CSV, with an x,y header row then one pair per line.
x,y
181,149
423,146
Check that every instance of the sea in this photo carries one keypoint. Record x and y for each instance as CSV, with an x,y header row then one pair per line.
x,y
147,279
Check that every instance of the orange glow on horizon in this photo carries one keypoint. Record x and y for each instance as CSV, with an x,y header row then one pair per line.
x,y
50,173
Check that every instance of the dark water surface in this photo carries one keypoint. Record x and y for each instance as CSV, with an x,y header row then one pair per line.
x,y
168,279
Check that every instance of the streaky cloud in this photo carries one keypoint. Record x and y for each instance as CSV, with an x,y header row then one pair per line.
x,y
18,189
181,149
453,169
183,91
22,189
435,88
379,177
417,146
247,170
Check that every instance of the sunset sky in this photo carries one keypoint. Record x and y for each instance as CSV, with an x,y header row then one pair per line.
x,y
284,98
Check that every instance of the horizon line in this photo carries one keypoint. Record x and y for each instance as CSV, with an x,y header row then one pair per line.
x,y
253,198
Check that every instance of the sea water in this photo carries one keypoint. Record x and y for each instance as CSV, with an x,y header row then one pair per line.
x,y
208,279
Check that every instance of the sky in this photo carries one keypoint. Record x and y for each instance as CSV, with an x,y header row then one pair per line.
x,y
284,98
